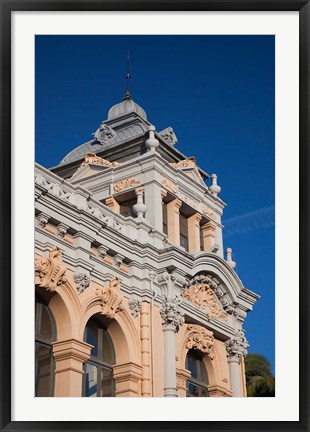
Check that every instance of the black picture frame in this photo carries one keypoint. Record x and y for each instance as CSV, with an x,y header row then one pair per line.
x,y
7,7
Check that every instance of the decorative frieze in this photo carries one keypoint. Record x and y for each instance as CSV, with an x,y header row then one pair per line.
x,y
168,184
81,281
189,162
124,184
50,270
200,339
171,313
204,298
92,158
236,346
110,298
206,210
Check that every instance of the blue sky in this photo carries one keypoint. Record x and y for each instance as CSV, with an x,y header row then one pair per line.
x,y
217,92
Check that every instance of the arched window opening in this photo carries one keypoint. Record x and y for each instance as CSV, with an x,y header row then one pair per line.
x,y
197,384
45,330
98,377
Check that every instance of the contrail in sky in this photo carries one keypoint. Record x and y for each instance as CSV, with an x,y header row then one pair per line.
x,y
261,218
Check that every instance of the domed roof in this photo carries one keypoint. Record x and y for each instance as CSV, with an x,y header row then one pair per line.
x,y
126,106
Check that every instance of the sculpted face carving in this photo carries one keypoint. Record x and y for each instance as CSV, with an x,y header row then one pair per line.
x,y
50,270
201,339
111,298
204,298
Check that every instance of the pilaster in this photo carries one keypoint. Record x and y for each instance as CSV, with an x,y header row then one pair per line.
x,y
127,378
69,357
208,235
194,233
173,216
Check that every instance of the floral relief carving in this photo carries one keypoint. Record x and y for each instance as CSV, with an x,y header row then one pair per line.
x,y
200,339
236,346
110,298
123,184
204,298
207,211
169,185
135,307
94,159
189,162
50,270
171,313
82,281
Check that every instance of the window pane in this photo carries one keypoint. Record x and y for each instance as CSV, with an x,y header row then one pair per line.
x,y
91,337
46,327
91,380
107,352
191,364
107,383
44,364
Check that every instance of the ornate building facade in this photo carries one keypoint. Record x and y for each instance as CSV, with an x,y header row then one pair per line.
x,y
134,296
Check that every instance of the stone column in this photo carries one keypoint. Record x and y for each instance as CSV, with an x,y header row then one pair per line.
x,y
172,316
194,233
236,348
69,356
173,216
208,235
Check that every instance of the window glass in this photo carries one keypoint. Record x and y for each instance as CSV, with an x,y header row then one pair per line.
x,y
91,337
91,380
197,384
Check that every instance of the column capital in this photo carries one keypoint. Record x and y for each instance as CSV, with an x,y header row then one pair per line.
x,y
171,313
236,346
210,226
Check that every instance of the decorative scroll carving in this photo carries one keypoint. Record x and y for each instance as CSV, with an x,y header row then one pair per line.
x,y
189,162
50,270
204,298
62,230
201,339
43,219
82,281
118,258
169,136
110,298
104,133
126,183
236,346
169,185
134,306
218,289
171,313
92,158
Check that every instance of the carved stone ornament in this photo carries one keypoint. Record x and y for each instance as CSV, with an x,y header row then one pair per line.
x,y
168,135
200,339
92,158
62,230
126,184
236,346
189,162
171,313
43,219
204,298
104,133
111,298
82,281
50,270
169,185
218,289
134,306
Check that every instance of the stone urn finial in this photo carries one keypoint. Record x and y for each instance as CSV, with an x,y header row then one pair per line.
x,y
215,188
139,208
152,143
232,264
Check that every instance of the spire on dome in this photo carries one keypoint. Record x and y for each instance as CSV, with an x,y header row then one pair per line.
x,y
128,76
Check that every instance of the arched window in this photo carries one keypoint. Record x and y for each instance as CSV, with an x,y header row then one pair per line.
x,y
98,377
197,384
44,362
